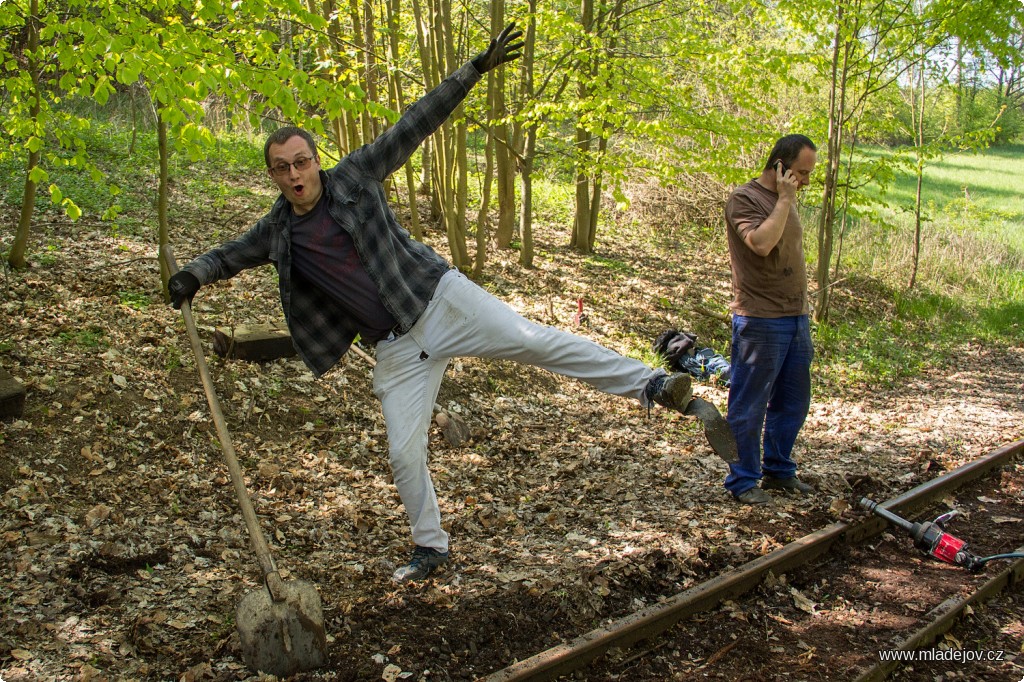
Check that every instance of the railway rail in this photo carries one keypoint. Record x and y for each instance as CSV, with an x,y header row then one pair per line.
x,y
587,651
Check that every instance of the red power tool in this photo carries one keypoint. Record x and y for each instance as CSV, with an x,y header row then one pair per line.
x,y
930,538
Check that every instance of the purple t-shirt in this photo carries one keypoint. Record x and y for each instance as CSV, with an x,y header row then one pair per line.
x,y
324,255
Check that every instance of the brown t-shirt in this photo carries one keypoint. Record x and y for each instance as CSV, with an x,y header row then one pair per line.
x,y
765,286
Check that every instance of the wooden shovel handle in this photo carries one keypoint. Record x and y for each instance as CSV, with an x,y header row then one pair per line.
x,y
259,542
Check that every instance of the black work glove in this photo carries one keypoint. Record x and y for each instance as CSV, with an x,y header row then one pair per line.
x,y
499,51
182,286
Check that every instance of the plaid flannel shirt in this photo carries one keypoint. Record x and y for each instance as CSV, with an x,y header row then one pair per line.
x,y
405,271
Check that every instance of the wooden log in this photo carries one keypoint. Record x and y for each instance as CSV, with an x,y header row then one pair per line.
x,y
253,342
12,396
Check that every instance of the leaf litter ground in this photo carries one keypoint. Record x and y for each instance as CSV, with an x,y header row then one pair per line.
x,y
124,554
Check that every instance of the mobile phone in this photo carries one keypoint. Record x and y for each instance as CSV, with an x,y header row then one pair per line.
x,y
780,162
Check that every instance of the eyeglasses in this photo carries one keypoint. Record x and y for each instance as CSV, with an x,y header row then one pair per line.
x,y
284,167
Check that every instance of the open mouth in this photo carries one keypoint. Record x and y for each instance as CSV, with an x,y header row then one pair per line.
x,y
298,189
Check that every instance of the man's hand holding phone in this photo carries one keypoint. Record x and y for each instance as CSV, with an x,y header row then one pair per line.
x,y
786,183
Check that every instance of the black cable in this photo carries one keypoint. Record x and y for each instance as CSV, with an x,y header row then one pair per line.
x,y
1012,555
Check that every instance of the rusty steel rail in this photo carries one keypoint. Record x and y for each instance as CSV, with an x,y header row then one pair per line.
x,y
655,619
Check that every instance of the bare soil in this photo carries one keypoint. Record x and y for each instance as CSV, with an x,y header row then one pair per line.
x,y
124,555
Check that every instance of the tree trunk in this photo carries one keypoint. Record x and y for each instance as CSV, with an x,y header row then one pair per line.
x,y
846,202
826,220
595,200
457,222
529,148
581,222
135,120
431,77
337,126
505,231
393,10
526,200
357,37
428,186
919,143
162,198
450,173
481,217
960,86
16,257
370,66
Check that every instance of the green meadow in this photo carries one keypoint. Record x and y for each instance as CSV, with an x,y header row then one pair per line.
x,y
983,190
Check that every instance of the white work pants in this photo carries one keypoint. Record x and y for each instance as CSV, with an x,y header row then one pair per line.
x,y
463,320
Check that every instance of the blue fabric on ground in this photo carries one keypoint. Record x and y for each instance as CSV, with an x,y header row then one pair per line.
x,y
706,364
680,353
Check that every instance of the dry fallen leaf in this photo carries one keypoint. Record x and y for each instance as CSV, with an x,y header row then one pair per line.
x,y
838,506
801,601
97,515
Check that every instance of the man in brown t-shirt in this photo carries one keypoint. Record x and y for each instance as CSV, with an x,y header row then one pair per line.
x,y
770,392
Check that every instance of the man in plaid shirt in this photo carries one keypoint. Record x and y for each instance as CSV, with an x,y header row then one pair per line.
x,y
346,267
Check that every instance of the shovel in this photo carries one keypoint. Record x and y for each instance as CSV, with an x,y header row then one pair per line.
x,y
281,627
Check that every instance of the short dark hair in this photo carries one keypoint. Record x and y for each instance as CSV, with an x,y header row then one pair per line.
x,y
787,149
282,135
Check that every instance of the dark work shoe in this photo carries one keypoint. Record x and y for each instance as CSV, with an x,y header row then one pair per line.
x,y
424,561
716,429
673,391
754,496
789,485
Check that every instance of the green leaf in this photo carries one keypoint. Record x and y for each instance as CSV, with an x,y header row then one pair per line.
x,y
128,74
72,210
55,194
103,90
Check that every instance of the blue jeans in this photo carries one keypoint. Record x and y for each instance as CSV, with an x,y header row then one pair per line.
x,y
769,396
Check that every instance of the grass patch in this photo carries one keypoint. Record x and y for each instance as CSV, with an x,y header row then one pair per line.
x,y
978,192
554,203
136,300
608,263
83,338
881,351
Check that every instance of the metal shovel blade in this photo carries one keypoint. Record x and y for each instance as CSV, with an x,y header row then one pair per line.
x,y
283,637
716,429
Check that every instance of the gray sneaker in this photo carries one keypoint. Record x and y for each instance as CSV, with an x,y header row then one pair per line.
x,y
673,391
790,485
424,561
754,496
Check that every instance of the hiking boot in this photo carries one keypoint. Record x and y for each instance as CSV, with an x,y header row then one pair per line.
x,y
790,485
754,496
673,391
424,561
716,430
